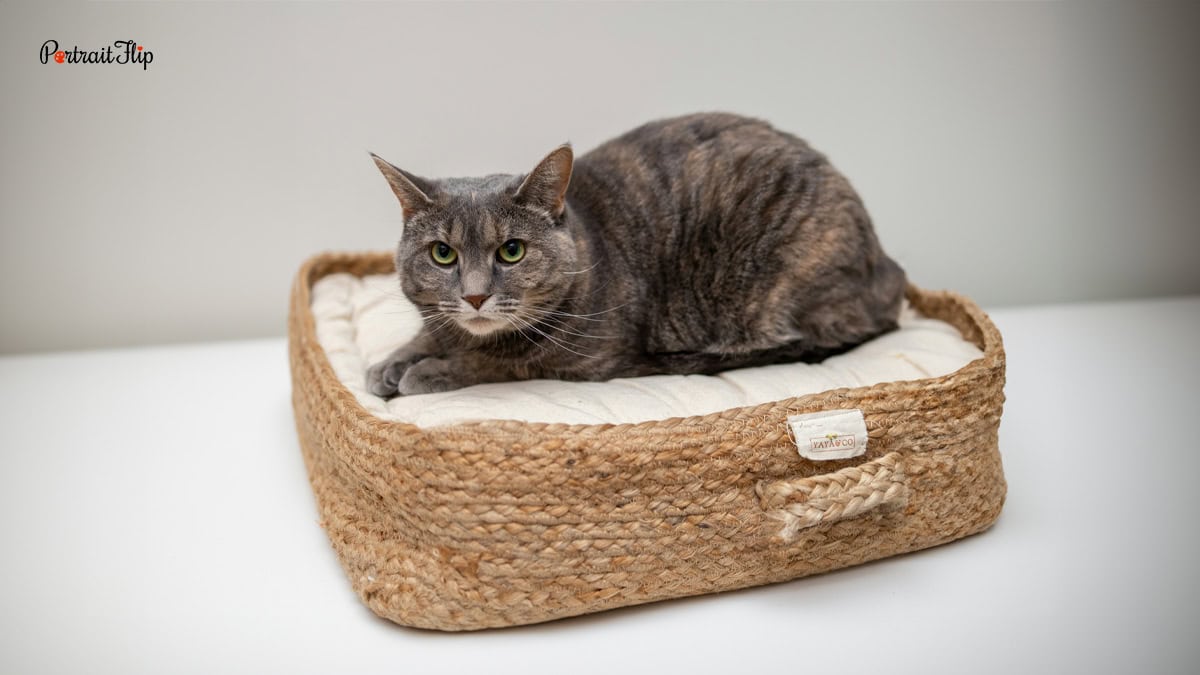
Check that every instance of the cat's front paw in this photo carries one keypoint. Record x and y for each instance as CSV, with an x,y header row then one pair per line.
x,y
383,378
430,376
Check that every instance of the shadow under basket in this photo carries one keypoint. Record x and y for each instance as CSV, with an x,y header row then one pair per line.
x,y
501,523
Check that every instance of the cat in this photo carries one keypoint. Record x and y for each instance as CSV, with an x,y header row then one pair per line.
x,y
694,244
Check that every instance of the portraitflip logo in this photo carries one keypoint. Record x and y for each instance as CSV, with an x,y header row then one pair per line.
x,y
121,51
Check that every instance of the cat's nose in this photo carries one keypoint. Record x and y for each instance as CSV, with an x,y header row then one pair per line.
x,y
476,300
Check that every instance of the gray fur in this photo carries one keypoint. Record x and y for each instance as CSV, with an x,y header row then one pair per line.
x,y
688,245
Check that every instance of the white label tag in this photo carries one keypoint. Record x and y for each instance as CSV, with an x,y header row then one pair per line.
x,y
829,434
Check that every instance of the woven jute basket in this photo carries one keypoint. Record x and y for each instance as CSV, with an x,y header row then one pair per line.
x,y
501,523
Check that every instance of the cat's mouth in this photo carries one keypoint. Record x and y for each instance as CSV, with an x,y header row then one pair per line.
x,y
480,325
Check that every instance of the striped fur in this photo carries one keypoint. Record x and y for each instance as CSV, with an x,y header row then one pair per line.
x,y
688,245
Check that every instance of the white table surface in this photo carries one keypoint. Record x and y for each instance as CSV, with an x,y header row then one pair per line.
x,y
156,517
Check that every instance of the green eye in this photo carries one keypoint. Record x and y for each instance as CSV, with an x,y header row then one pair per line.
x,y
443,254
511,251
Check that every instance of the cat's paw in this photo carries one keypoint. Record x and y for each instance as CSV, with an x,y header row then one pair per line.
x,y
383,378
429,376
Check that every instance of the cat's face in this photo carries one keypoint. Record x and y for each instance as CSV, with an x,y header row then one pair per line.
x,y
486,255
482,262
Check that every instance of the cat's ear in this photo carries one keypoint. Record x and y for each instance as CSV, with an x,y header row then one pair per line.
x,y
412,191
546,186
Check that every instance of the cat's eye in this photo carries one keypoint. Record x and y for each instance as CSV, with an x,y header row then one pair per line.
x,y
442,253
511,251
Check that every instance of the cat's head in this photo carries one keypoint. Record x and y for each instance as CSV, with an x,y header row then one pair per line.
x,y
486,255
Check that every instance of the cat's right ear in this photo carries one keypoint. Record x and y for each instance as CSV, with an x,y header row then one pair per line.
x,y
412,191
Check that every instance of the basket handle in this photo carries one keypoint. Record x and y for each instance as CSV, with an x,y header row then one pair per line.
x,y
801,503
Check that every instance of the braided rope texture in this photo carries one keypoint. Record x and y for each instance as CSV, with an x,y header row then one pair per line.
x,y
502,523
849,493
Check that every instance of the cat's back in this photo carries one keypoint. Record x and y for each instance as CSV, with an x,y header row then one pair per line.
x,y
704,175
666,163
677,137
734,235
682,135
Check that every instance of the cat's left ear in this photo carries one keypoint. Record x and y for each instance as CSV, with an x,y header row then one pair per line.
x,y
546,186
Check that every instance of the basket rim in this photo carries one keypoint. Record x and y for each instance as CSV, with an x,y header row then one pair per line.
x,y
945,305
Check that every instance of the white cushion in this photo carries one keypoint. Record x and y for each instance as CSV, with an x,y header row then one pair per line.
x,y
361,320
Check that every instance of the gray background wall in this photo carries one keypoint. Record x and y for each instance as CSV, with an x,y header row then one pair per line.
x,y
1022,153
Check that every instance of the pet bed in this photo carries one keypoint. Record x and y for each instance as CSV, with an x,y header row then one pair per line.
x,y
448,511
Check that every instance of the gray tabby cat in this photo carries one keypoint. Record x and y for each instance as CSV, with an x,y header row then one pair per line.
x,y
688,245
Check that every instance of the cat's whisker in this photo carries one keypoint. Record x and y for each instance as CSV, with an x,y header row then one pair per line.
x,y
511,319
603,311
589,269
546,310
562,326
592,291
560,342
568,331
435,326
437,321
434,319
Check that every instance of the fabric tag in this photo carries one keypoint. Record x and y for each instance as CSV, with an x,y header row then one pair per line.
x,y
829,434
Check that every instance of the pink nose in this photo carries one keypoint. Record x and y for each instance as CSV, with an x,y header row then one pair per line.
x,y
476,300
